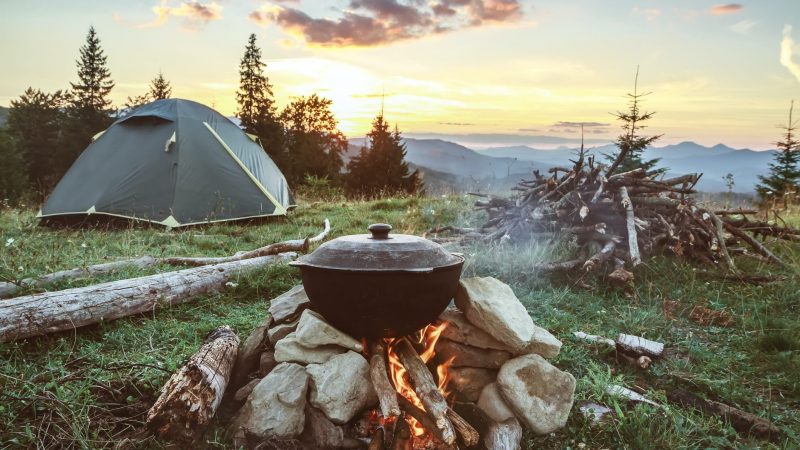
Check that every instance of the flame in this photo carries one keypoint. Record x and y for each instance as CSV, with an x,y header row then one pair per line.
x,y
399,375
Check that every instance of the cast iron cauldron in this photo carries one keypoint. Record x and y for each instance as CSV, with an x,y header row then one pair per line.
x,y
380,285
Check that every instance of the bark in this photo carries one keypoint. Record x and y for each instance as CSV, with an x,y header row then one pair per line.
x,y
633,245
387,396
466,433
192,395
50,312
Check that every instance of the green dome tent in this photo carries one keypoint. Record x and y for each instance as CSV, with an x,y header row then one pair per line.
x,y
173,162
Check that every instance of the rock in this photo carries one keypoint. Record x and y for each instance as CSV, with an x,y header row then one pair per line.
x,y
244,391
250,351
491,304
320,432
467,356
493,403
505,435
313,331
460,330
288,306
341,387
540,394
281,330
276,407
289,350
543,343
267,363
468,382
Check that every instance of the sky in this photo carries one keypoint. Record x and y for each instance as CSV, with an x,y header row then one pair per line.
x,y
481,72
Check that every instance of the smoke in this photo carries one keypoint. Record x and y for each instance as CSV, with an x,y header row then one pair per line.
x,y
787,52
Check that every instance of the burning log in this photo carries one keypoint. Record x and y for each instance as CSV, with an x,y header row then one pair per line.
x,y
376,440
468,435
426,389
387,396
192,395
402,436
50,312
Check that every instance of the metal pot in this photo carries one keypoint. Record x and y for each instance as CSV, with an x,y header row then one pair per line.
x,y
380,285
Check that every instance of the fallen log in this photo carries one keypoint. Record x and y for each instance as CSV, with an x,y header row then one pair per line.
x,y
426,389
192,395
633,246
387,396
50,312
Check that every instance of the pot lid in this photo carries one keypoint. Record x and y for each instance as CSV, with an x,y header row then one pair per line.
x,y
380,251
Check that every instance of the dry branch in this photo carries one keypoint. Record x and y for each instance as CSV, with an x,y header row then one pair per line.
x,y
192,395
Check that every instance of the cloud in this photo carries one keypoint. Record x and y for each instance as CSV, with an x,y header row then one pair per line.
x,y
787,52
650,14
528,130
727,8
379,22
458,124
744,26
194,14
580,124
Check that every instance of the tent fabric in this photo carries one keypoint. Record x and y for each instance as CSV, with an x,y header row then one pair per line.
x,y
174,162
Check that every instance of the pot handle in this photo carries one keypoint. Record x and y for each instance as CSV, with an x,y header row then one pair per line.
x,y
380,230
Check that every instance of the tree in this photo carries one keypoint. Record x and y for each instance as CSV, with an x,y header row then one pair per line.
x,y
630,143
313,141
784,173
13,182
89,111
160,89
256,104
380,167
35,122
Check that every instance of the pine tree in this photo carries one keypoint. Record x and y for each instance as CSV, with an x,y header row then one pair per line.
x,y
160,88
256,104
313,140
35,123
380,168
13,180
784,173
632,145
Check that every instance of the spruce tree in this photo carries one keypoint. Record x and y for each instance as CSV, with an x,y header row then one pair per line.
x,y
630,143
256,104
313,140
380,168
160,88
784,173
13,180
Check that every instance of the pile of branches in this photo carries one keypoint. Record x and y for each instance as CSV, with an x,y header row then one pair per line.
x,y
616,218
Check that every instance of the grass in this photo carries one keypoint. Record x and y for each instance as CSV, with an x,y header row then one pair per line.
x,y
90,388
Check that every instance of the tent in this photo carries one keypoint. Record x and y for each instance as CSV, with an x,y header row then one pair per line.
x,y
174,162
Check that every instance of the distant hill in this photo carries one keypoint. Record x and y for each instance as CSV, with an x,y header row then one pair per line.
x,y
3,115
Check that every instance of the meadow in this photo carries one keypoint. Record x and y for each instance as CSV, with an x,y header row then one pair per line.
x,y
91,387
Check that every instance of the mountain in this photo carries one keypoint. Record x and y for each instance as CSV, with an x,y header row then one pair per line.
x,y
3,115
714,162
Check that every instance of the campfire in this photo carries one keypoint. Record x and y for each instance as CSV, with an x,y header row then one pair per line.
x,y
476,375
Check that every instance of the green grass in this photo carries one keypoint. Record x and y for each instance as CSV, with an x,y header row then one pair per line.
x,y
90,388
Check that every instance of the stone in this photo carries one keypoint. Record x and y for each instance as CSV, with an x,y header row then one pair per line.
x,y
244,391
289,350
460,330
276,407
540,394
493,403
288,306
267,363
491,304
505,435
320,432
280,331
341,387
468,382
249,352
543,343
461,355
313,331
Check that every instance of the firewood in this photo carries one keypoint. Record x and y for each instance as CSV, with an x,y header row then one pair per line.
x,y
387,396
426,389
757,246
402,439
376,440
600,257
50,312
633,246
722,247
637,345
192,395
468,435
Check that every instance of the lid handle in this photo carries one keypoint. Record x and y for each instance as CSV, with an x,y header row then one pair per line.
x,y
380,230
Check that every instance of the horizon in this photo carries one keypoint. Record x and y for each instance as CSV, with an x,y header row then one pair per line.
x,y
718,72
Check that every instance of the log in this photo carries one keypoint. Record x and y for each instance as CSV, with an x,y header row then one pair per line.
x,y
50,312
723,248
757,246
562,266
192,395
426,389
743,422
633,245
468,435
402,436
376,440
8,289
638,346
387,396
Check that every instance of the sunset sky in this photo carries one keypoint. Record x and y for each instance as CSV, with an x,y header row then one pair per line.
x,y
489,71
